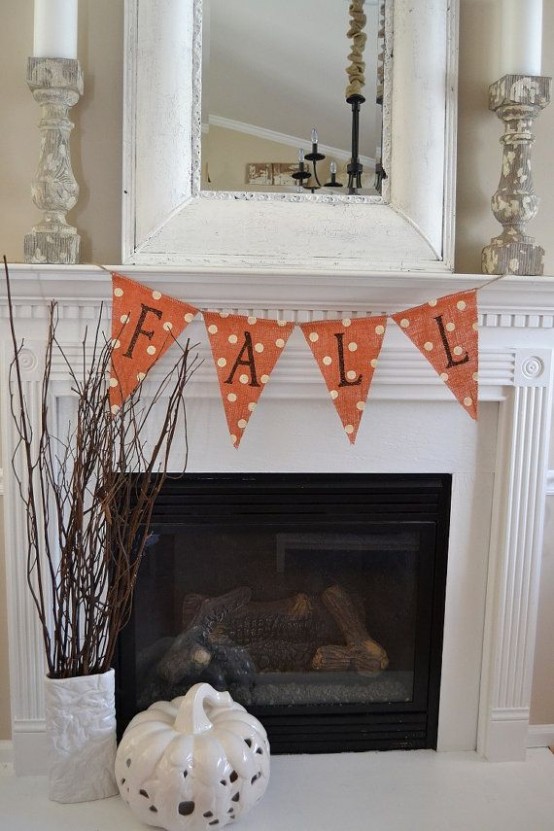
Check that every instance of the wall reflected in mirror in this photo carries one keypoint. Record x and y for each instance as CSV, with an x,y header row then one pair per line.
x,y
273,70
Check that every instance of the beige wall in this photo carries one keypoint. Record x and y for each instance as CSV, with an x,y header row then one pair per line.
x,y
96,153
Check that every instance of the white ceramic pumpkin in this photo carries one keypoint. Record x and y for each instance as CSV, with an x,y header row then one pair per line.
x,y
194,763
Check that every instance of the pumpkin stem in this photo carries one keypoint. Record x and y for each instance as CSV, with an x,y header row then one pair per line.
x,y
192,716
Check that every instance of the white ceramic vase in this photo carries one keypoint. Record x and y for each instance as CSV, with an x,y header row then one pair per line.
x,y
80,725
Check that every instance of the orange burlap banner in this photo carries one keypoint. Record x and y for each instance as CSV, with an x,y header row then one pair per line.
x,y
346,352
145,323
445,331
245,351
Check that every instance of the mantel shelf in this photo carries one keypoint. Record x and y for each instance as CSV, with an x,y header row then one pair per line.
x,y
279,288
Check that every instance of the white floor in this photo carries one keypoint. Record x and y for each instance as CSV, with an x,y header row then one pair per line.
x,y
395,791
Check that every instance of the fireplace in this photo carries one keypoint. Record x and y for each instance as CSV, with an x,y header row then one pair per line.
x,y
411,425
317,600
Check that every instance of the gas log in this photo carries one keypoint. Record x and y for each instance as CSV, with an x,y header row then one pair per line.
x,y
227,639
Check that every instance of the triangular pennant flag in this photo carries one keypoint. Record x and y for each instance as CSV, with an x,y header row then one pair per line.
x,y
245,351
445,331
145,323
346,352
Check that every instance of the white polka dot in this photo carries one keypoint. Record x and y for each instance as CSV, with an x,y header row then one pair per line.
x,y
314,337
156,295
241,423
188,317
346,322
264,379
212,329
352,346
379,330
351,375
252,406
373,362
232,338
113,382
475,326
125,318
259,347
281,323
279,343
457,350
327,360
468,401
450,327
116,344
349,429
222,362
141,376
252,320
244,379
151,350
360,405
432,303
224,315
444,376
428,346
461,304
115,408
118,293
404,323
334,394
475,376
168,326
231,397
233,438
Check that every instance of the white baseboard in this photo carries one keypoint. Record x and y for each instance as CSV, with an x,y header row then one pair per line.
x,y
6,752
540,735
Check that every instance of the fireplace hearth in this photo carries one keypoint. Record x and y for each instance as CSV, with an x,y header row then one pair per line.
x,y
317,600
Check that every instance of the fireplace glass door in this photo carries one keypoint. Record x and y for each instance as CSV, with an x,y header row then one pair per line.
x,y
316,600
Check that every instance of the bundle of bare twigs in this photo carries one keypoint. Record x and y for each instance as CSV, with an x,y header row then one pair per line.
x,y
88,512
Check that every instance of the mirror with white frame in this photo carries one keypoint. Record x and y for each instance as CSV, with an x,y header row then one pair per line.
x,y
171,218
273,72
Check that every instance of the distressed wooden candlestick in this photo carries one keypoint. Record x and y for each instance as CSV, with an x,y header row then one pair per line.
x,y
56,84
517,100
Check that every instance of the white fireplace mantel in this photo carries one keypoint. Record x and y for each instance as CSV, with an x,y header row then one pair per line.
x,y
411,423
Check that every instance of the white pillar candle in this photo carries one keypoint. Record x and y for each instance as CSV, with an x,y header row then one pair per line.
x,y
55,32
521,44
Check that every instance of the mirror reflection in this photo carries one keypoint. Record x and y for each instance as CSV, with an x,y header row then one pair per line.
x,y
274,88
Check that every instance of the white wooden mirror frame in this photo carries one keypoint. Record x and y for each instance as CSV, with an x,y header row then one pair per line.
x,y
169,221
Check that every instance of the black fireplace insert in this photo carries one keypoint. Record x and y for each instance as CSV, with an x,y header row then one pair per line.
x,y
317,600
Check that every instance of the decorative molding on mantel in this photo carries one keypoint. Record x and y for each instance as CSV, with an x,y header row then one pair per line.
x,y
518,302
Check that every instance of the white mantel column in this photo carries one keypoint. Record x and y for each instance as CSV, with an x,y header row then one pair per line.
x,y
515,558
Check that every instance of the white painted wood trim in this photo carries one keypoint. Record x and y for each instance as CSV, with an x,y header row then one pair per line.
x,y
515,558
168,220
6,753
540,735
550,483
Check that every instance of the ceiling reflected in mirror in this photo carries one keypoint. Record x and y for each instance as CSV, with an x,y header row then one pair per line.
x,y
275,71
